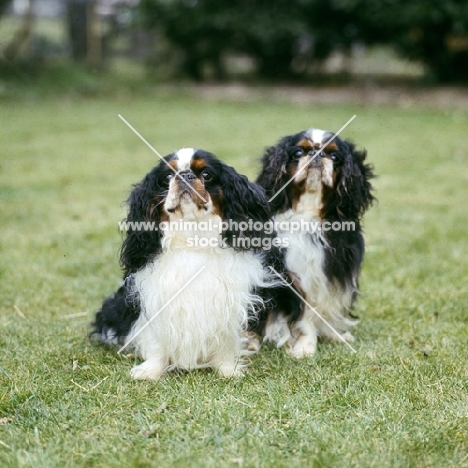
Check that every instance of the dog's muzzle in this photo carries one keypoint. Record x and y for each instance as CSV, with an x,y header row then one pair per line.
x,y
186,179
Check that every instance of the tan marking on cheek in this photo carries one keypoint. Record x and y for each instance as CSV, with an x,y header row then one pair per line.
x,y
199,187
217,205
163,214
331,147
218,199
335,178
297,190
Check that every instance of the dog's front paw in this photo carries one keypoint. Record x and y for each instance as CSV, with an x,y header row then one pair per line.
x,y
228,370
304,347
149,370
250,344
347,336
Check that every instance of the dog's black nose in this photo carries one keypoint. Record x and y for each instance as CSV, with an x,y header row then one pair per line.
x,y
315,158
188,176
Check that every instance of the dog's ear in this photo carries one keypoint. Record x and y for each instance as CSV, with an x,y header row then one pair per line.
x,y
275,175
243,202
354,190
142,242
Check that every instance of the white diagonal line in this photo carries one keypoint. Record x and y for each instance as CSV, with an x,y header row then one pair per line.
x,y
315,155
161,309
338,334
160,157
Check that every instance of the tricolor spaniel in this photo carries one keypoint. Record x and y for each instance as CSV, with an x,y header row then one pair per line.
x,y
191,281
318,193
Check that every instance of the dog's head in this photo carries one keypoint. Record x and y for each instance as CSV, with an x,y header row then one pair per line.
x,y
318,172
191,185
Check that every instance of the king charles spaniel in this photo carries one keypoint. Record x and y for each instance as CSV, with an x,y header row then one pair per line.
x,y
318,215
191,281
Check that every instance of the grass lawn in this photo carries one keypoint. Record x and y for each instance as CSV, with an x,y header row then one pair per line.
x,y
402,400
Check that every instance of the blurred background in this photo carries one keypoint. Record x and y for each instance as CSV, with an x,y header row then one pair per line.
x,y
299,41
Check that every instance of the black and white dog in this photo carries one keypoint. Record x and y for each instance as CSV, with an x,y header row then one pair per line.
x,y
318,213
192,276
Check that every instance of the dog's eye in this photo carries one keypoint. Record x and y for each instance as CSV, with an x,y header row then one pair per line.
x,y
298,152
207,176
168,177
333,157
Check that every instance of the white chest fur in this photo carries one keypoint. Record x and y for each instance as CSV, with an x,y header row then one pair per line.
x,y
305,252
194,306
305,257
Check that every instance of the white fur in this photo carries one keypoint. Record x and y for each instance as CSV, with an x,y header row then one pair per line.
x,y
203,325
185,157
316,135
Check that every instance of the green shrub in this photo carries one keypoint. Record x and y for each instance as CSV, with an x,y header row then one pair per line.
x,y
284,36
432,32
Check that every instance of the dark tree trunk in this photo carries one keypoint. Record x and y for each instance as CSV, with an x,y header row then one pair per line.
x,y
78,29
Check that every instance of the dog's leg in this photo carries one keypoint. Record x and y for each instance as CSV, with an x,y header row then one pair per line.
x,y
305,332
339,320
333,336
250,344
152,369
232,368
227,360
277,330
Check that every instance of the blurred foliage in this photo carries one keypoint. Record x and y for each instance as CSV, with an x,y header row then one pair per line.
x,y
272,40
285,36
433,32
4,5
282,36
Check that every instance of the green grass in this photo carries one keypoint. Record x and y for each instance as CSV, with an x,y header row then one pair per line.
x,y
400,401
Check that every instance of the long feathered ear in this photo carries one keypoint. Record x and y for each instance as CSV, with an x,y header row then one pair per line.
x,y
142,244
274,175
353,191
243,202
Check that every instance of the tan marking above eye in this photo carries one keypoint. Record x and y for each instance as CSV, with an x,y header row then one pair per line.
x,y
174,164
305,143
331,147
309,145
197,164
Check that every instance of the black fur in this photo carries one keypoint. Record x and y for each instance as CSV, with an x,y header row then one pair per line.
x,y
278,299
276,172
244,201
140,246
352,196
116,317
